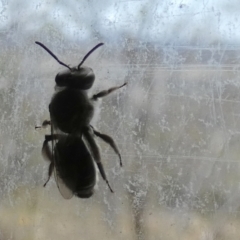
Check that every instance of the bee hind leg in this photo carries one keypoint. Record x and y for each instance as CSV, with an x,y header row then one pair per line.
x,y
94,149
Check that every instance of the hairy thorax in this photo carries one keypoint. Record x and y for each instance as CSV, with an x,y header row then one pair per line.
x,y
71,110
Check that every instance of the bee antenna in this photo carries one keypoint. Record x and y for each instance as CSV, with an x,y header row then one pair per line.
x,y
89,53
53,55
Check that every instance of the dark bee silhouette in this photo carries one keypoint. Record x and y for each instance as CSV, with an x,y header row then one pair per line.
x,y
72,136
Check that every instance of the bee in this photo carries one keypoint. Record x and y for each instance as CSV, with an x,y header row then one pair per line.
x,y
74,149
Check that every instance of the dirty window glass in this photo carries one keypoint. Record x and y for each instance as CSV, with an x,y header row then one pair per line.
x,y
176,123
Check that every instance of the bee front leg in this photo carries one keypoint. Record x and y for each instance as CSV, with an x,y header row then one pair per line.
x,y
94,149
106,92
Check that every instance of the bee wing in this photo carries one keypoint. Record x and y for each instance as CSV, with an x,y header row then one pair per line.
x,y
63,189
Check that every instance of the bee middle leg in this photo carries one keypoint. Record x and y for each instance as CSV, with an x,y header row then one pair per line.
x,y
50,171
44,124
48,155
87,133
106,92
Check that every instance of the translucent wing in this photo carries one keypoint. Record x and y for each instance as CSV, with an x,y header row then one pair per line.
x,y
66,192
63,189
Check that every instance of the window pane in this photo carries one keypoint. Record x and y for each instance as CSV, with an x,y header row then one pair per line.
x,y
176,122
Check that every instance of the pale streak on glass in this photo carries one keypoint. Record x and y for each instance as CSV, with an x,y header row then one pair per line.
x,y
176,123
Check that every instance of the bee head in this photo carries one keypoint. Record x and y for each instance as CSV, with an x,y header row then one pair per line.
x,y
82,78
79,77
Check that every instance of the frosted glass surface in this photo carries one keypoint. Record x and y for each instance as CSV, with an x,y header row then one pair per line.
x,y
177,122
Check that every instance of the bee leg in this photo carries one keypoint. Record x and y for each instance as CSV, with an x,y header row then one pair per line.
x,y
101,170
50,171
106,92
47,154
94,149
44,124
110,141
